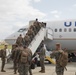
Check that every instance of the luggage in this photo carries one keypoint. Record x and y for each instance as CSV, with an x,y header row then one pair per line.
x,y
32,65
38,64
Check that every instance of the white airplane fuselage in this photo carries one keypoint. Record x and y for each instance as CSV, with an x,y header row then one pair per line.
x,y
63,32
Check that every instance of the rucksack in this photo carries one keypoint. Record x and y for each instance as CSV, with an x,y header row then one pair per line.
x,y
24,57
63,59
0,53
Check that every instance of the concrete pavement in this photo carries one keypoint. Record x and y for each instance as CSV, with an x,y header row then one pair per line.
x,y
50,69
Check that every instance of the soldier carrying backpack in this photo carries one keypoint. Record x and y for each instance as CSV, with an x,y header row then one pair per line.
x,y
61,59
23,66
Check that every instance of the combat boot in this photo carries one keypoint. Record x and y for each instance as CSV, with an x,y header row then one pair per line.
x,y
40,71
43,71
3,71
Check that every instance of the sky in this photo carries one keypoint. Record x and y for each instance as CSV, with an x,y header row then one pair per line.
x,y
15,14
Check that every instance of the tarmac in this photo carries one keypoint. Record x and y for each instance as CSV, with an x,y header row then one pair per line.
x,y
50,69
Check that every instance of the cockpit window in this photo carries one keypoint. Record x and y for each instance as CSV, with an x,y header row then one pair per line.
x,y
22,30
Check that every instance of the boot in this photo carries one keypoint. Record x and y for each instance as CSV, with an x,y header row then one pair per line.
x,y
15,72
3,71
40,71
43,71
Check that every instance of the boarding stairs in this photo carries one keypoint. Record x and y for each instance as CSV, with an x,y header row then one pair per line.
x,y
37,40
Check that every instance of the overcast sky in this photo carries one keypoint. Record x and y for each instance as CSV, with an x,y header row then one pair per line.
x,y
15,14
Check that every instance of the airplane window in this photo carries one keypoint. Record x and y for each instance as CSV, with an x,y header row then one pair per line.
x,y
55,30
23,29
70,30
65,30
60,30
74,29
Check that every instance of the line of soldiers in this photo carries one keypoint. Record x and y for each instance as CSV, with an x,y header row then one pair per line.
x,y
21,54
22,57
32,31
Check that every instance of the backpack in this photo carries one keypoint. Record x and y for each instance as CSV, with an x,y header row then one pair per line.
x,y
63,59
24,57
0,53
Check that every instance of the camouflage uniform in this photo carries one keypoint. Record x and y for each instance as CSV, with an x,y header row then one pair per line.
x,y
34,29
19,40
43,24
26,40
3,58
23,67
37,27
31,34
42,58
29,59
14,54
59,68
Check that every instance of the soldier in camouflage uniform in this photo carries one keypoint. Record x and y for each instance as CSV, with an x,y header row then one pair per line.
x,y
19,39
34,29
3,58
43,24
36,24
29,58
24,67
27,40
56,54
42,57
31,33
13,56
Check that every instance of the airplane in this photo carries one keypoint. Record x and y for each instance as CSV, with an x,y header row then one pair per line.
x,y
61,31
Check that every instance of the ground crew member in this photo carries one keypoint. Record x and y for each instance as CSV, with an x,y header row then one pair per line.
x,y
13,56
23,63
42,57
56,54
3,58
19,40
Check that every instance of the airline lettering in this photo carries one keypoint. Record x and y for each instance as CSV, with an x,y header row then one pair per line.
x,y
68,24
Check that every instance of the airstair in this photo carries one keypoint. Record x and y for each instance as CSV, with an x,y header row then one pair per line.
x,y
37,40
43,33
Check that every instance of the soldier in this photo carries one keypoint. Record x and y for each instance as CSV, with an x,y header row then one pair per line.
x,y
36,21
31,34
24,63
56,54
26,40
19,39
14,53
3,58
43,24
29,58
36,24
33,28
42,57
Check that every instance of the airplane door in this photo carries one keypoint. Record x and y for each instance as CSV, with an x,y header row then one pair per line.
x,y
49,34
